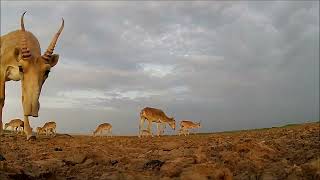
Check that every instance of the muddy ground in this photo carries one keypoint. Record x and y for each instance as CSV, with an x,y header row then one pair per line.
x,y
290,152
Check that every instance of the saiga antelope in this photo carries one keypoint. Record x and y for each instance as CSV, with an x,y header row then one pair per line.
x,y
157,116
186,125
16,124
21,59
103,127
48,127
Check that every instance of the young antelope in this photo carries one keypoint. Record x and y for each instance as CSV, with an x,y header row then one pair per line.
x,y
48,127
187,125
16,125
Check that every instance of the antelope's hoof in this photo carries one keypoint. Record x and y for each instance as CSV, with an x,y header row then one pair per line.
x,y
31,138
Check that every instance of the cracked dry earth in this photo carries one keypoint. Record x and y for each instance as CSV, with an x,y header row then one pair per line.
x,y
290,152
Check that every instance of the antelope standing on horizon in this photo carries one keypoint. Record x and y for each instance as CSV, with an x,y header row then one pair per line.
x,y
15,124
186,125
21,59
156,116
103,127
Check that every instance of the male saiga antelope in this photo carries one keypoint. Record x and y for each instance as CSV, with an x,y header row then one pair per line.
x,y
186,125
103,127
157,116
21,59
16,124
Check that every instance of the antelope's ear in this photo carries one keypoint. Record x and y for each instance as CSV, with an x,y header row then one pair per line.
x,y
54,60
16,53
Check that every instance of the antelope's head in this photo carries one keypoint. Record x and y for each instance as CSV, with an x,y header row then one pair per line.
x,y
199,124
34,70
172,123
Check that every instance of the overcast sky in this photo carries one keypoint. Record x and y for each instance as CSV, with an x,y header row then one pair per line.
x,y
233,65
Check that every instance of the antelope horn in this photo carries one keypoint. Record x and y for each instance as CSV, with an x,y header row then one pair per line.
x,y
25,52
47,55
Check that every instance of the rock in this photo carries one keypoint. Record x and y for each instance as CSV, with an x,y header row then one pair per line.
x,y
88,162
174,167
2,158
45,167
168,146
170,169
114,162
75,159
57,149
153,164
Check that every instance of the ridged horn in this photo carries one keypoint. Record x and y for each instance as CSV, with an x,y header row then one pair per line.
x,y
25,52
47,55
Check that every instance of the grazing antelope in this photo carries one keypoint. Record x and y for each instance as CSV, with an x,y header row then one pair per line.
x,y
16,124
186,125
21,59
103,127
146,133
157,116
40,131
48,127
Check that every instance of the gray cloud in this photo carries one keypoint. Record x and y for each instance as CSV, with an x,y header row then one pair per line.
x,y
231,65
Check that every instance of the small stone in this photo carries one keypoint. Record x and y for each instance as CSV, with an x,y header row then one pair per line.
x,y
2,158
153,164
114,162
58,149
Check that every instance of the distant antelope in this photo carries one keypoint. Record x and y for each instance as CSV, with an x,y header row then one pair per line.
x,y
186,125
103,127
16,124
48,127
157,116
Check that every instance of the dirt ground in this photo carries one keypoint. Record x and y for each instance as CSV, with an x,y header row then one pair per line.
x,y
291,152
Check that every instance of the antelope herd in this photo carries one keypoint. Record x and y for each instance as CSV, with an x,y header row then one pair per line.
x,y
21,59
147,114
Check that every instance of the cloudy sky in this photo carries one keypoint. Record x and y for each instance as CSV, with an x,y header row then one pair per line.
x,y
232,65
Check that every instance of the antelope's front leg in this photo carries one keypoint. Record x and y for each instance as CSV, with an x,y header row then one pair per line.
x,y
158,130
149,126
27,128
1,107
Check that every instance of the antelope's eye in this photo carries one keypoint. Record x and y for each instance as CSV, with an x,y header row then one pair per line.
x,y
20,69
46,73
